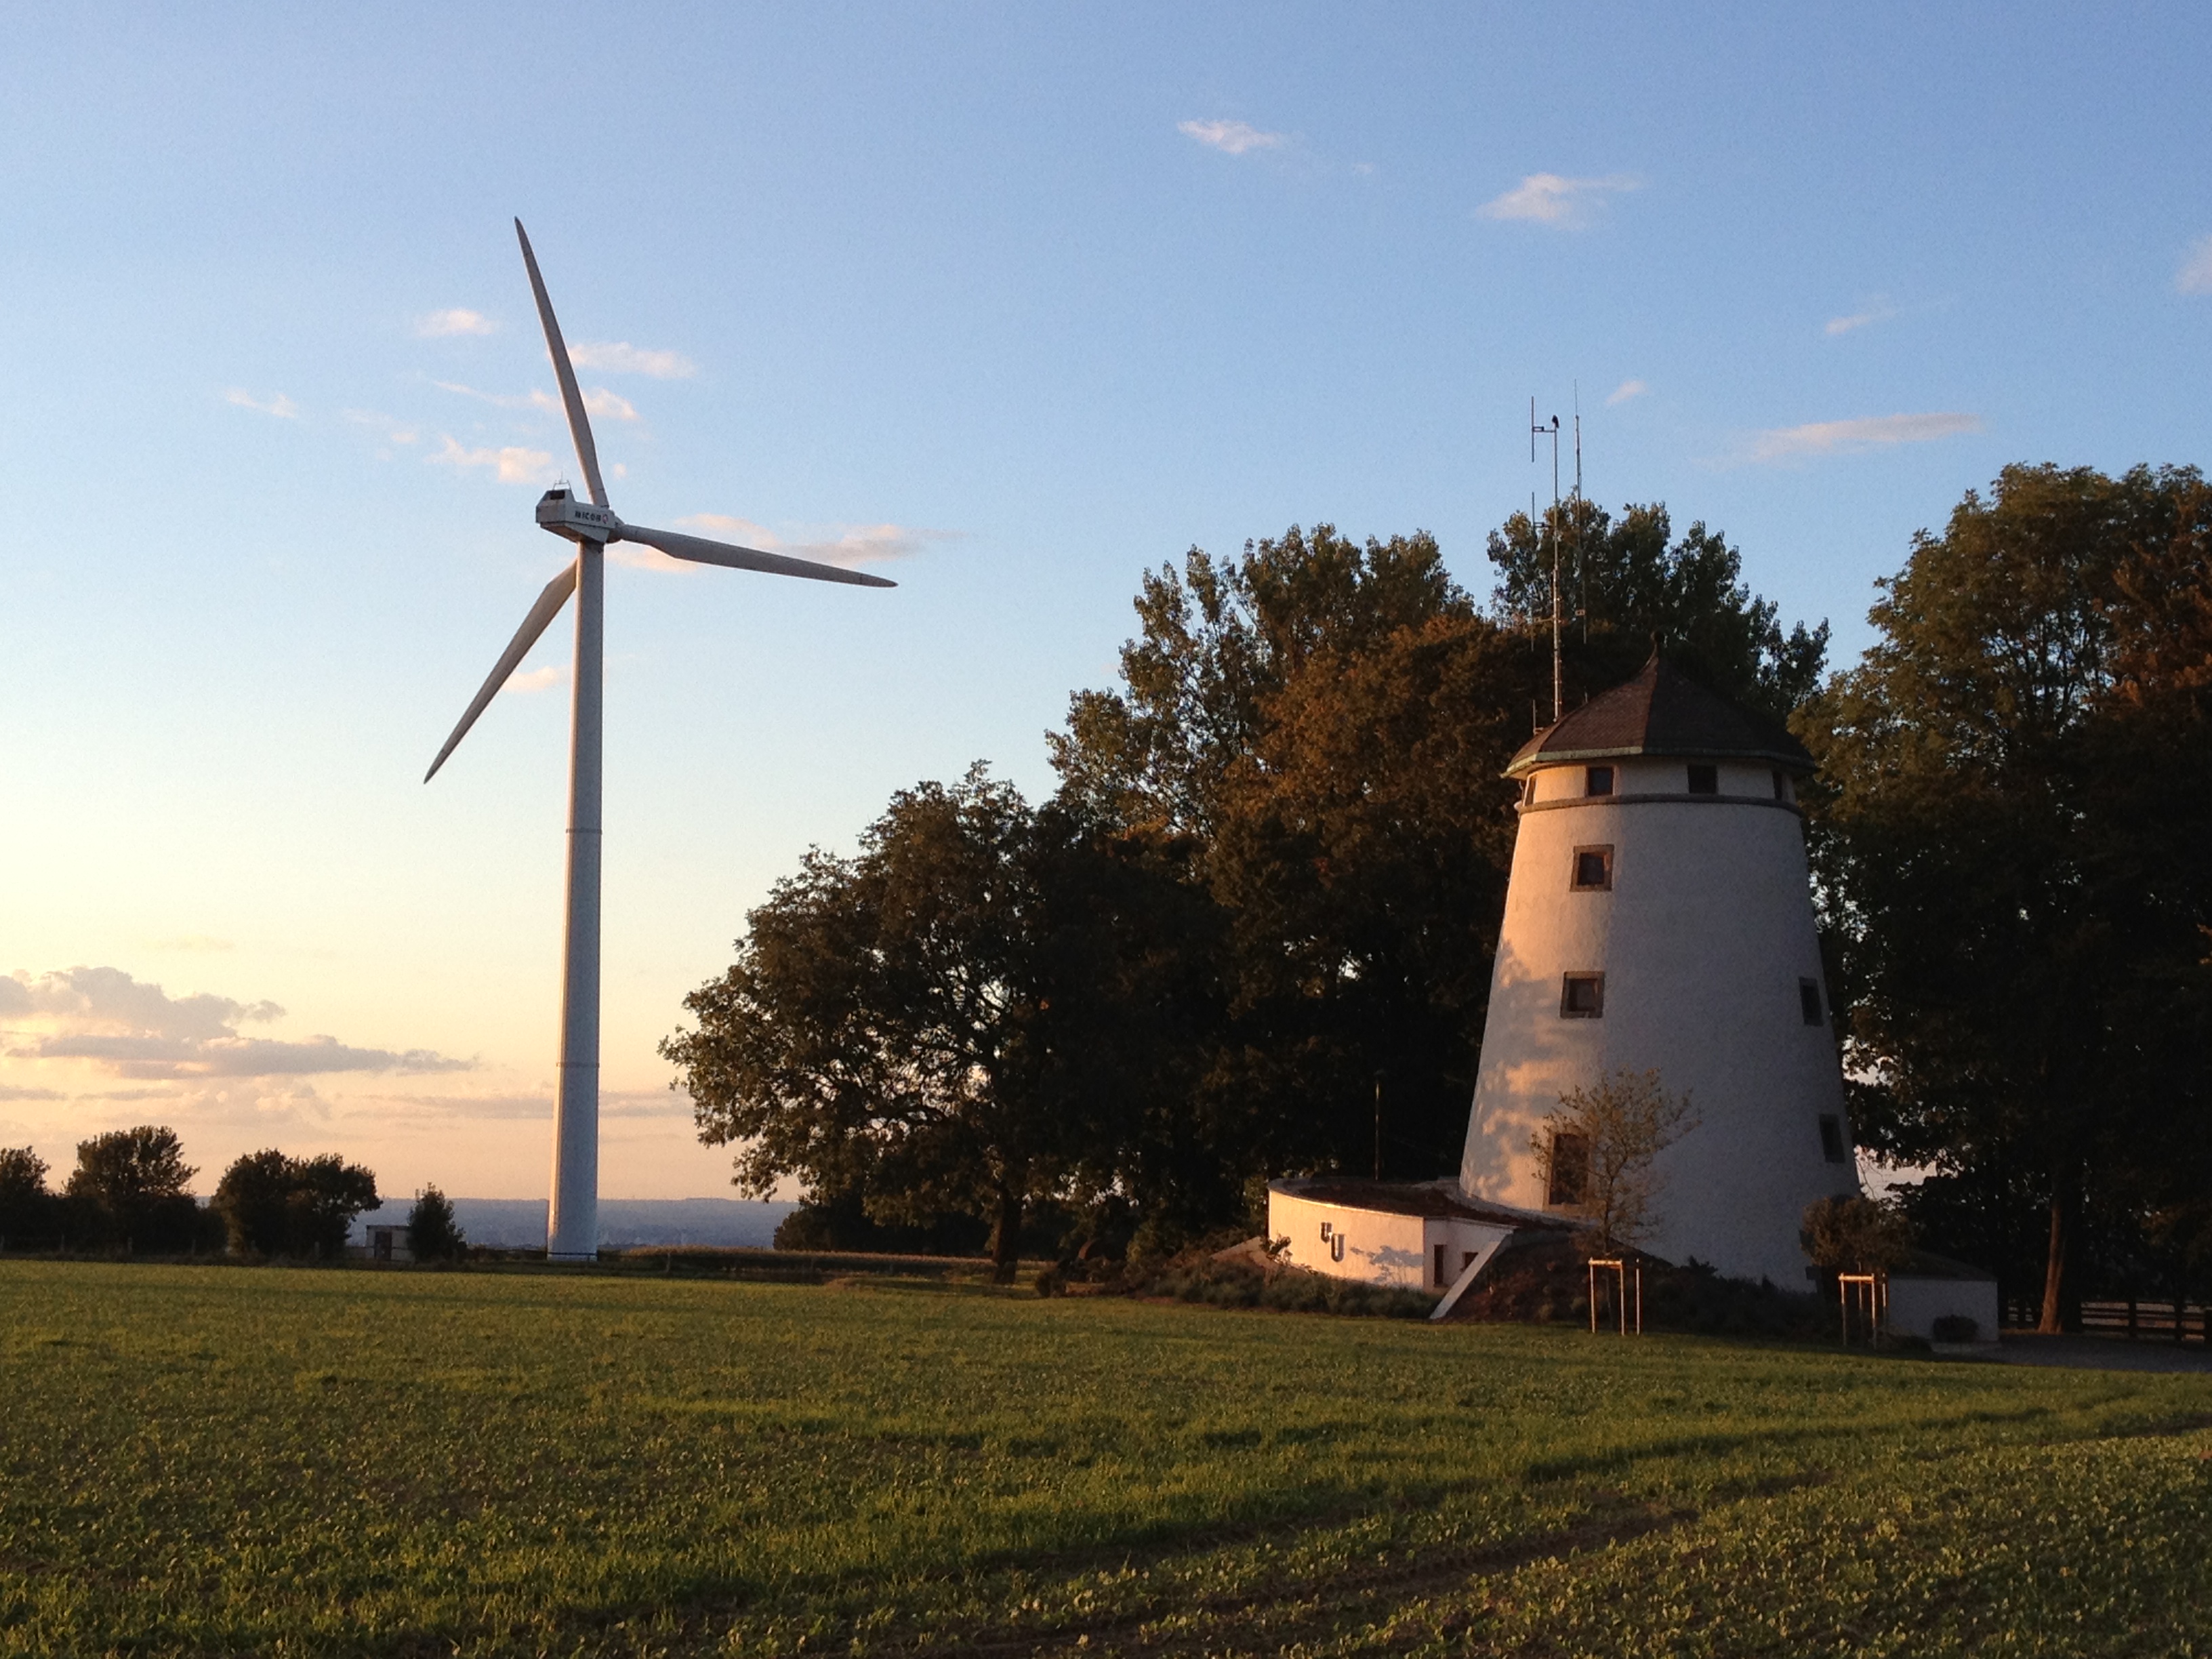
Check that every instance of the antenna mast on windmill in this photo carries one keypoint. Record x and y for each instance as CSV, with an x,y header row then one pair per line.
x,y
572,1222
1537,429
1582,565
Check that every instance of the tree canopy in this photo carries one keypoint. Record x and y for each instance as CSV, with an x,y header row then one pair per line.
x,y
273,1205
2009,780
130,1188
938,1023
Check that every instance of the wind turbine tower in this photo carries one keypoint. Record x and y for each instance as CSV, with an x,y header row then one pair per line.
x,y
572,1232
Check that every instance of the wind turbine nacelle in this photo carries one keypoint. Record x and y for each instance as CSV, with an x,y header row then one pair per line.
x,y
560,512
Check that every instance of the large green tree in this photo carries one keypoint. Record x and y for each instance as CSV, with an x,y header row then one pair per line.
x,y
129,1188
958,1018
2012,779
274,1204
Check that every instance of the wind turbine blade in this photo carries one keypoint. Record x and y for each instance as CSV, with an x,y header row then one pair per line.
x,y
540,618
579,425
699,551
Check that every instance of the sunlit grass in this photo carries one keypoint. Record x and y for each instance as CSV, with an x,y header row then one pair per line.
x,y
268,1461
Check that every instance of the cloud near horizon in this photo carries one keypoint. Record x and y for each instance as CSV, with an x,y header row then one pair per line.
x,y
2195,275
1231,137
1550,198
132,1029
1789,443
456,319
1624,390
621,357
513,464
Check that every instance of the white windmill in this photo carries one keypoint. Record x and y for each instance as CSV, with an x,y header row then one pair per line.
x,y
573,1224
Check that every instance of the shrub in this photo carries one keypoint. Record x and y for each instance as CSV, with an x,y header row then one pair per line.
x,y
1955,1327
431,1234
1196,1276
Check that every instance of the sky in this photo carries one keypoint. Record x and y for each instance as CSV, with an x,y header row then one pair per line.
x,y
1007,303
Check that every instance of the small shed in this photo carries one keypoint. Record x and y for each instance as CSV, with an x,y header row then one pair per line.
x,y
387,1241
1415,1236
1926,1288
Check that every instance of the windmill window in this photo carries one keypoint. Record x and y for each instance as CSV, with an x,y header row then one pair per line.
x,y
1528,791
1781,786
1441,1279
1808,1000
1831,1139
1597,781
1567,1175
1593,870
1705,780
1582,996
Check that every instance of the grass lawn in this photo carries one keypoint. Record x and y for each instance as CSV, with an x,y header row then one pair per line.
x,y
268,1461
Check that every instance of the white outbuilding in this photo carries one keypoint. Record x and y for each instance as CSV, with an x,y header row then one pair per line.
x,y
1659,917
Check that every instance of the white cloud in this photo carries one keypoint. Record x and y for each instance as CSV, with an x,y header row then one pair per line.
x,y
514,463
1878,310
1624,390
1868,432
1235,137
456,320
2195,275
538,679
621,357
842,544
598,400
130,1029
1548,198
278,403
394,431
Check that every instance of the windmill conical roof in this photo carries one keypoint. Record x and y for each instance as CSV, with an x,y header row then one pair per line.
x,y
1663,711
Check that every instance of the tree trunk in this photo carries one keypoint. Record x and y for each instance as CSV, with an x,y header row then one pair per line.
x,y
2054,1268
1007,1236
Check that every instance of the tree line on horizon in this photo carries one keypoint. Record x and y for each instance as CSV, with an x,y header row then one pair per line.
x,y
130,1192
1249,934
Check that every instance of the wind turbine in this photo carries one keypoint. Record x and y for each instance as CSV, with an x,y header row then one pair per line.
x,y
572,1230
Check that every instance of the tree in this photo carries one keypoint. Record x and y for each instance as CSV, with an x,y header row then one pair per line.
x,y
1308,739
129,1184
1626,587
25,1206
928,1023
1602,1142
1855,1235
432,1235
272,1204
2007,780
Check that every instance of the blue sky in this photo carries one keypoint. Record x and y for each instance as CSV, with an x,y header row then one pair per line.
x,y
1015,300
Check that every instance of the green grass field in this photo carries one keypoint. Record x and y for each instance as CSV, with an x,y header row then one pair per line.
x,y
258,1460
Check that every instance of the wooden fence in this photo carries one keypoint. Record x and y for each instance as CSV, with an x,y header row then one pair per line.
x,y
2133,1319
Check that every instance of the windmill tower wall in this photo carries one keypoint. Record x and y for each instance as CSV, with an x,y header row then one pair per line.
x,y
1701,937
